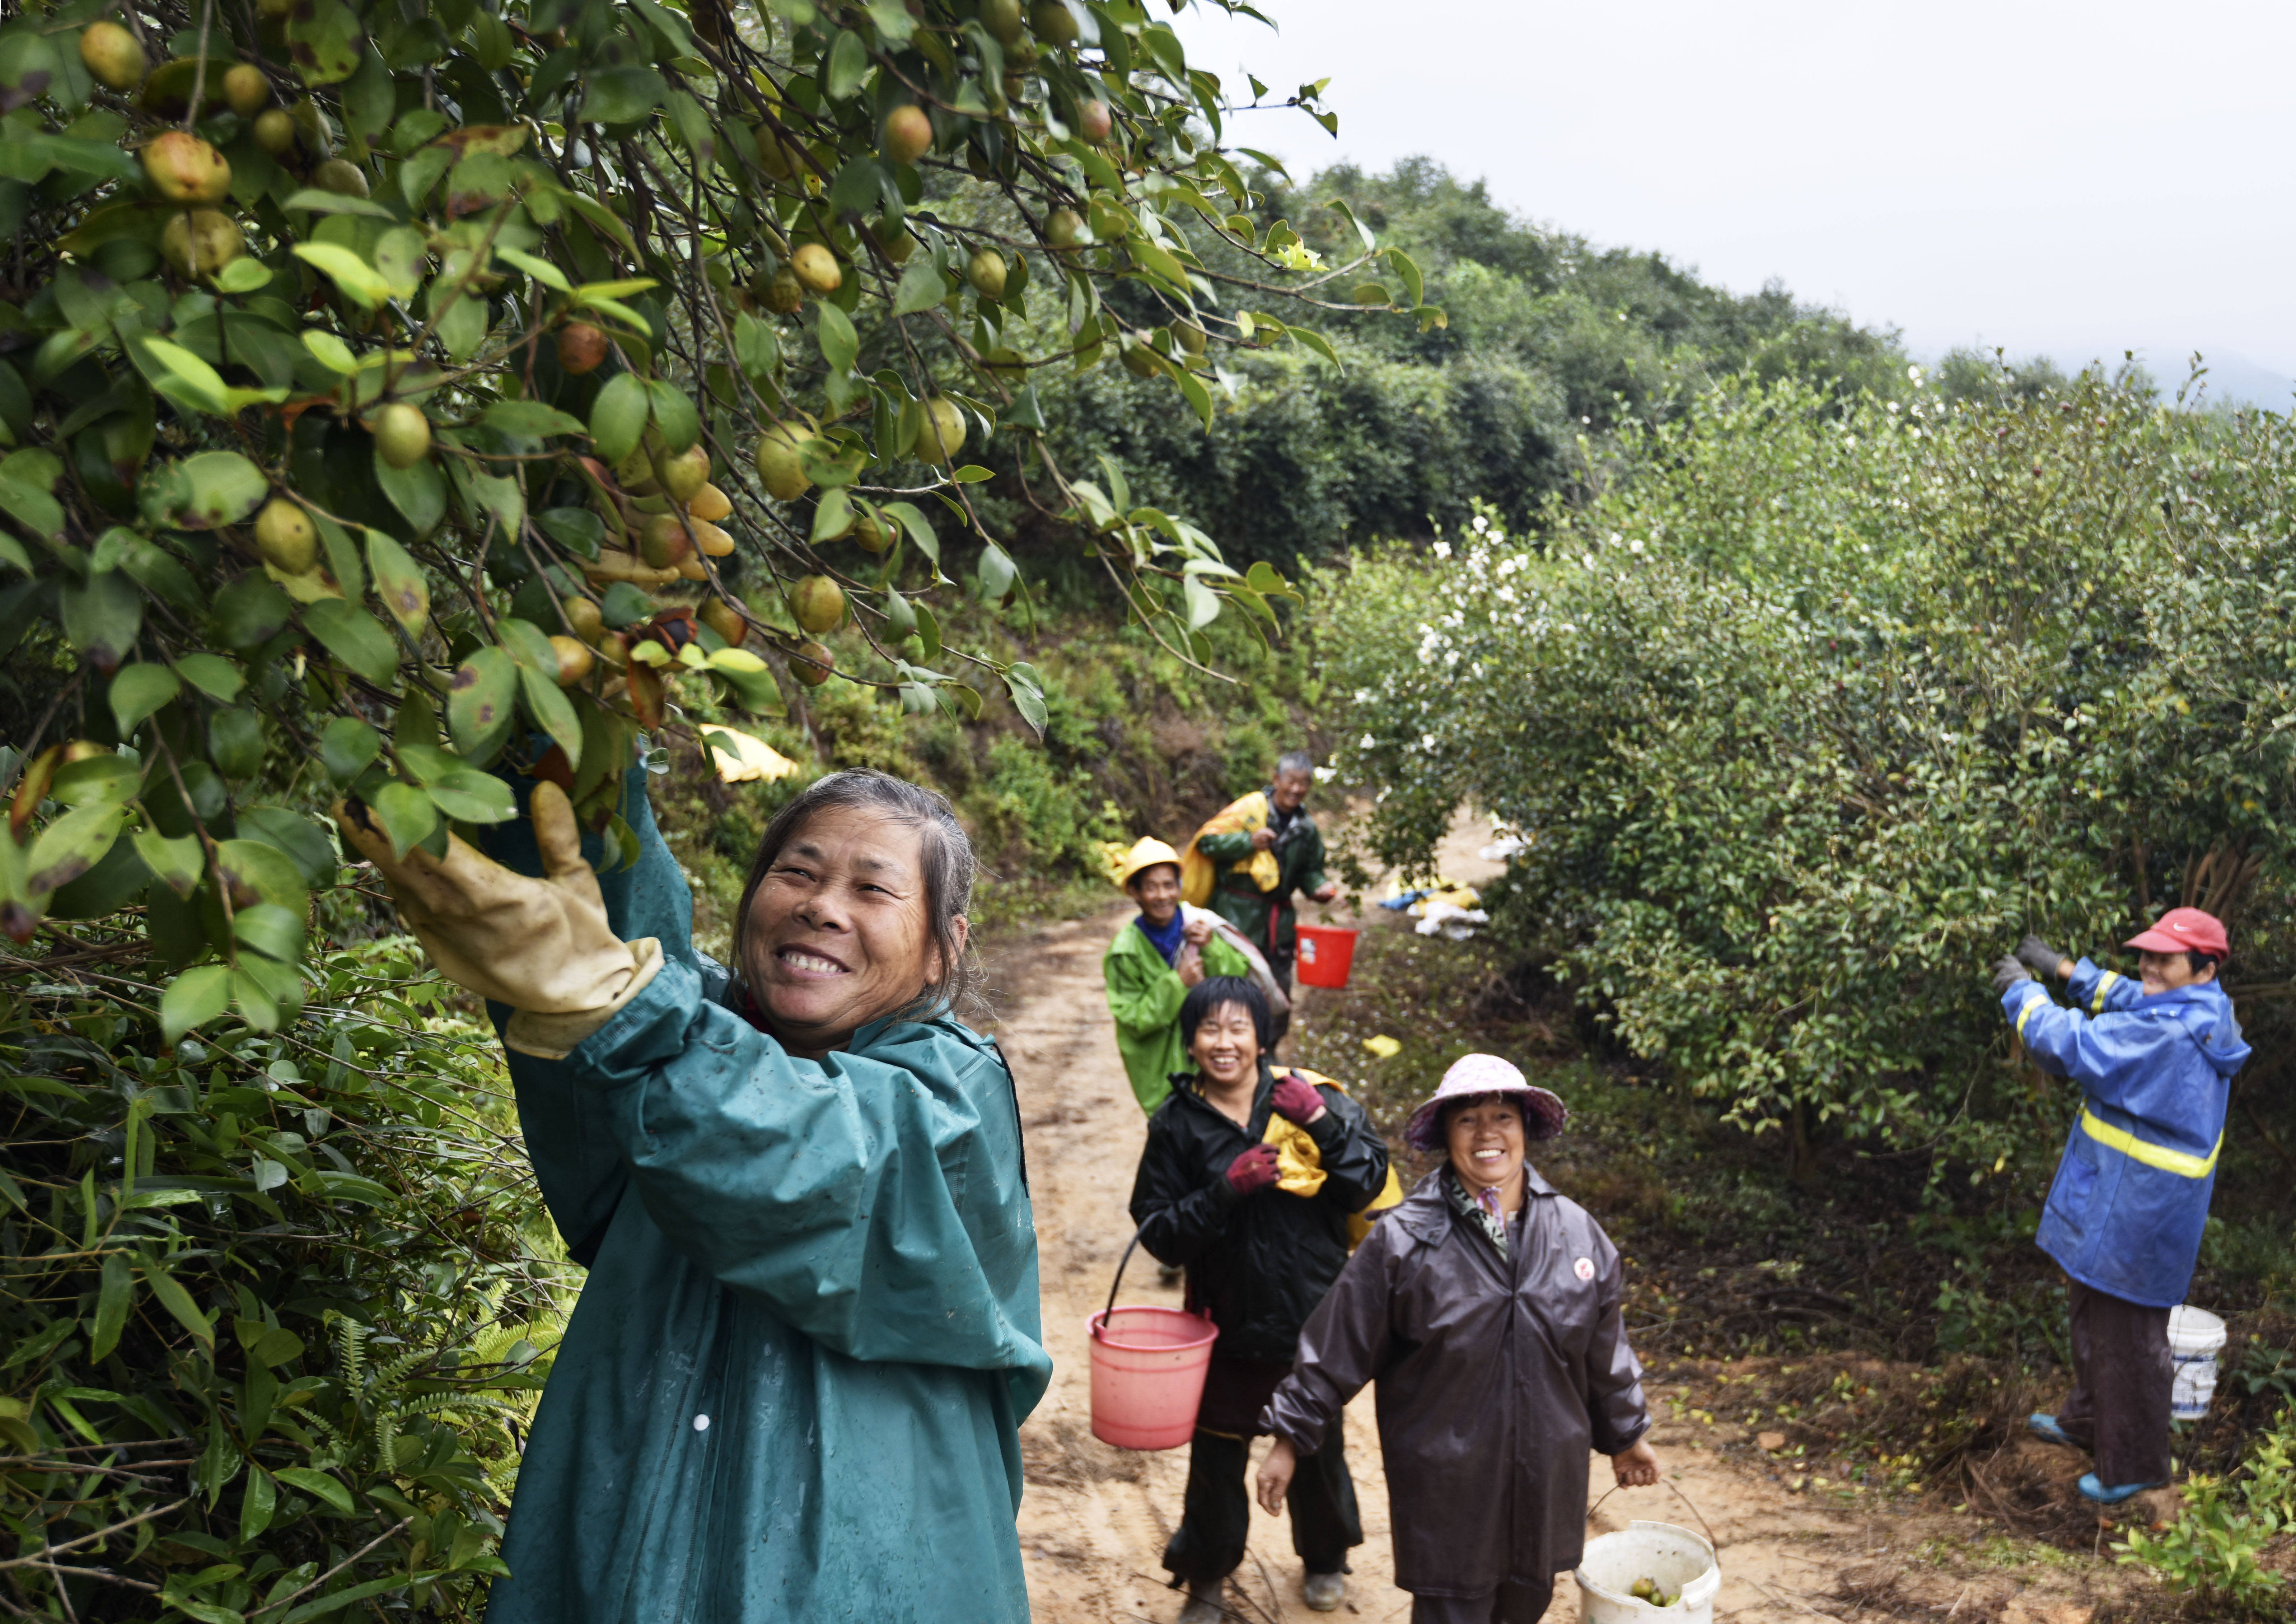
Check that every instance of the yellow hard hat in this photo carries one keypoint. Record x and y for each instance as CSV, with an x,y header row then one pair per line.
x,y
1145,852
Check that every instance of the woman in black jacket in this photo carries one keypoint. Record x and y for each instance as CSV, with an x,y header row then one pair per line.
x,y
1261,1243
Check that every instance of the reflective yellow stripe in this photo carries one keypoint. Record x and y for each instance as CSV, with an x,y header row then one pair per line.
x,y
2025,1014
2151,1155
2103,985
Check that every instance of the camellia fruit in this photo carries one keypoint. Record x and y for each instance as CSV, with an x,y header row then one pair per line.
x,y
664,543
816,269
1053,22
684,474
583,618
1062,228
785,294
575,660
908,135
1142,361
896,241
286,537
713,542
773,156
1003,19
1007,363
944,431
274,131
246,89
402,435
780,466
870,536
581,348
986,272
112,56
341,176
182,169
810,665
709,504
1094,122
818,603
200,242
726,620
1191,337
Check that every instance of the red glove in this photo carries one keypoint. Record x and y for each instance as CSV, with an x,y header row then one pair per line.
x,y
1253,1171
1295,1099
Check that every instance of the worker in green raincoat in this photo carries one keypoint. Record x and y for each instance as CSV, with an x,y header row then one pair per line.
x,y
1253,892
792,1386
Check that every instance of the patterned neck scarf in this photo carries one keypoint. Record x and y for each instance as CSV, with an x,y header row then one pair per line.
x,y
1480,1211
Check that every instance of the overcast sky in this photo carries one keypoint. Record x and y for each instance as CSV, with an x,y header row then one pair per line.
x,y
2073,179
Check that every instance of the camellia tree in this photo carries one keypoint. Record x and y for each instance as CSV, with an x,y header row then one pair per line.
x,y
398,398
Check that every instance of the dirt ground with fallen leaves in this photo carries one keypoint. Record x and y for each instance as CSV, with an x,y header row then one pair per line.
x,y
1094,1520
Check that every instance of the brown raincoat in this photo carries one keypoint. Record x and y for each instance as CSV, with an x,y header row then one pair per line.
x,y
1494,1379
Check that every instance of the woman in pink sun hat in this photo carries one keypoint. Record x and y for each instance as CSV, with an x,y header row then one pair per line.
x,y
1486,1307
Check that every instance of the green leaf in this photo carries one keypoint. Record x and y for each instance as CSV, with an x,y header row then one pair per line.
x,y
921,288
360,282
323,37
756,349
355,638
69,847
330,351
1203,604
176,863
972,473
841,346
548,275
997,573
399,582
269,930
419,493
1414,291
346,747
165,1287
679,424
318,1485
294,837
1317,342
405,813
848,63
262,868
115,1296
212,674
139,690
99,781
1026,687
225,488
193,999
622,95
35,510
920,529
619,418
530,420
103,616
242,276
479,699
257,1504
471,796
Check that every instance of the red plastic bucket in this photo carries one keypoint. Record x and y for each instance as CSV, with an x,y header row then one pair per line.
x,y
1325,953
1148,1366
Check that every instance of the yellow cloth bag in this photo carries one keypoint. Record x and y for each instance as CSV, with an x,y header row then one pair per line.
x,y
1299,1167
1244,816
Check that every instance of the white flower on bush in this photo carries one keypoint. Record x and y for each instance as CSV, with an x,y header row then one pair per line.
x,y
1367,743
1442,549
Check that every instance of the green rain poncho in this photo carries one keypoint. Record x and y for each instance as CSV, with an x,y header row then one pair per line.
x,y
793,1387
1145,995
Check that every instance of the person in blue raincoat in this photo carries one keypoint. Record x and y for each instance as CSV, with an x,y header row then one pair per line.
x,y
2155,1059
792,1386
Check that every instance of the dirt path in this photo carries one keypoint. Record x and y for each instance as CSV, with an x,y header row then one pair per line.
x,y
1094,1523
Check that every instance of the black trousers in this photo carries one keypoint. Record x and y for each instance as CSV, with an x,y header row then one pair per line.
x,y
1217,1516
2123,1378
1508,1604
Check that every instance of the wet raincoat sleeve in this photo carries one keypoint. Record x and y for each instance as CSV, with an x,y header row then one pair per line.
x,y
1233,847
1346,1343
1616,1412
2097,990
873,1199
1180,1209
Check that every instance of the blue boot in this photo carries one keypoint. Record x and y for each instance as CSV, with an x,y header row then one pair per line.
x,y
2091,1490
2044,1426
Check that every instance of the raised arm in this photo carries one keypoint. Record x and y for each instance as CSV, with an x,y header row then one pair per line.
x,y
2098,990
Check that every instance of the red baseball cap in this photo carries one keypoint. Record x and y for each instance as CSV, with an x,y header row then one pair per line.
x,y
2184,930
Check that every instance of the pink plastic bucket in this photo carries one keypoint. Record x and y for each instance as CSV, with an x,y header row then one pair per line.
x,y
1148,1366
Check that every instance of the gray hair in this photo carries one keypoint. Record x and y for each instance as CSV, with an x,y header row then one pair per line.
x,y
945,856
1294,762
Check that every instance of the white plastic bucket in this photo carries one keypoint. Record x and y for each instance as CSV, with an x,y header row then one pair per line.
x,y
1673,1558
2195,1338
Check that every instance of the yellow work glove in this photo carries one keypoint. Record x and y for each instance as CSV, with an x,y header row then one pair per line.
x,y
543,946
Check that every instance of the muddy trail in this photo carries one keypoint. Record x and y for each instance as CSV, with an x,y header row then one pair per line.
x,y
1095,1519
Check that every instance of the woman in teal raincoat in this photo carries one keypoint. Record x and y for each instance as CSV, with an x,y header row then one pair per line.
x,y
793,1387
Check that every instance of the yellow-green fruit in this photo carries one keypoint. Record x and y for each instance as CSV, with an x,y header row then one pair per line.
x,y
810,665
726,620
785,294
1094,122
684,474
943,435
182,169
1006,364
986,272
1016,85
1003,19
200,242
246,89
663,543
896,241
908,135
1110,223
773,156
1063,227
1142,361
112,56
274,132
818,603
402,435
286,537
583,618
780,466
709,504
1191,337
312,129
870,536
575,660
1053,22
817,267
713,542
341,176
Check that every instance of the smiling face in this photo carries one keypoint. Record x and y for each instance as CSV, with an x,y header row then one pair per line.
x,y
1290,791
1485,1138
2166,972
1157,889
839,930
1226,1048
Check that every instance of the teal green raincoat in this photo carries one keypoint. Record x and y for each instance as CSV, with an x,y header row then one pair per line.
x,y
793,1387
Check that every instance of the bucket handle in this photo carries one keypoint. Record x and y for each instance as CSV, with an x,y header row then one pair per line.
x,y
1100,1325
1712,1543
